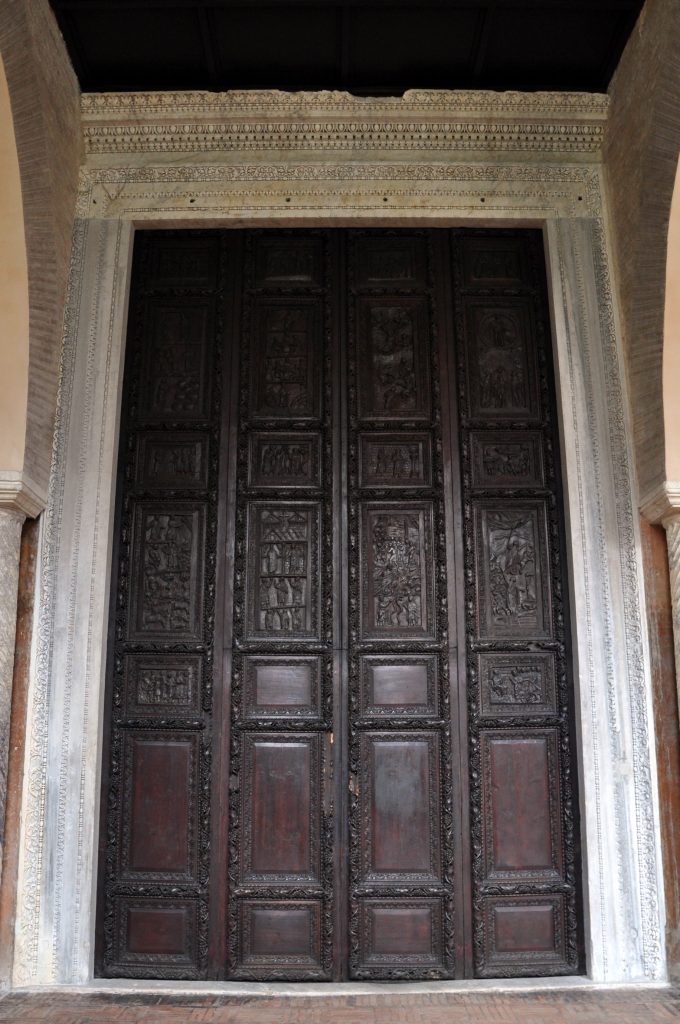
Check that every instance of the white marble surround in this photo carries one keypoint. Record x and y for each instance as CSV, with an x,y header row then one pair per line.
x,y
440,159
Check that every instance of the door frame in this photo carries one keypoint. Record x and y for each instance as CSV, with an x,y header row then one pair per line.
x,y
556,188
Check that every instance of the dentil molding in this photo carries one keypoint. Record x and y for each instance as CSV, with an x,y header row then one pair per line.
x,y
336,122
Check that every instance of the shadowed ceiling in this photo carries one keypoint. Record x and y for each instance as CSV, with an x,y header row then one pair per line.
x,y
381,47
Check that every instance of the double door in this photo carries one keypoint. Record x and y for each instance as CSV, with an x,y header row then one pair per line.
x,y
339,711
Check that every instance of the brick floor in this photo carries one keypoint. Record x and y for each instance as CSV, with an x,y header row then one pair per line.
x,y
624,1006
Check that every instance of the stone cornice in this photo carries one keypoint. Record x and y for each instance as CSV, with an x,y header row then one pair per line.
x,y
21,495
662,503
335,122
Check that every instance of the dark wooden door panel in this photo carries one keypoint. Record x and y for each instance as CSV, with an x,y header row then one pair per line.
x,y
339,739
522,800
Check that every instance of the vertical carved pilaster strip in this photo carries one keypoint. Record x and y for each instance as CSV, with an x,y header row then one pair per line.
x,y
10,541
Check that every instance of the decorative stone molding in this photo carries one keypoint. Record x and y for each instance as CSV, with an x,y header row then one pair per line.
x,y
11,520
336,122
20,493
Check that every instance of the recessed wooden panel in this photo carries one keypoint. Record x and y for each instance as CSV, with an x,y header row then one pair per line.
x,y
176,385
284,460
393,358
160,806
286,357
283,572
405,685
519,794
494,262
282,687
506,459
393,262
287,261
162,685
400,797
184,263
173,460
516,684
395,460
513,571
397,584
280,808
167,571
400,933
156,933
285,935
524,936
500,358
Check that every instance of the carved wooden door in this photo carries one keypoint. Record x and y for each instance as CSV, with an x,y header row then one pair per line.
x,y
340,715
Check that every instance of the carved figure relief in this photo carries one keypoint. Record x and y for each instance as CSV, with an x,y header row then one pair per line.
x,y
284,460
502,381
511,683
397,570
172,462
167,600
395,460
393,360
284,376
155,682
512,567
172,686
176,363
499,460
280,569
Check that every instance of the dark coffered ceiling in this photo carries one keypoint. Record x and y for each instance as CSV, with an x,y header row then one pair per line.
x,y
380,47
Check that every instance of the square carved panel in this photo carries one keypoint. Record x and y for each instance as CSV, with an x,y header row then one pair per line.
x,y
395,460
284,460
502,458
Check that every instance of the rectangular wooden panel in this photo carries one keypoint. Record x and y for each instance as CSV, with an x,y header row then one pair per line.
x,y
393,357
283,571
495,262
520,793
503,458
513,572
284,460
524,935
285,935
282,687
155,934
286,371
160,783
401,934
404,685
184,263
162,684
172,460
281,807
177,381
396,571
395,460
288,261
500,357
400,807
516,684
390,262
167,571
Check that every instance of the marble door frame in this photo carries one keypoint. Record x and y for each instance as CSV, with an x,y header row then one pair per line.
x,y
155,177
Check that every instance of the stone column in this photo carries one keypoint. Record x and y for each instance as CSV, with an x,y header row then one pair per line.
x,y
11,521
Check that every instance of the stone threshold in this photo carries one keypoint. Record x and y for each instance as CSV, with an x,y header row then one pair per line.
x,y
129,987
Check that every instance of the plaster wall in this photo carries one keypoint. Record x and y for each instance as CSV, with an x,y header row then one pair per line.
x,y
266,159
14,292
